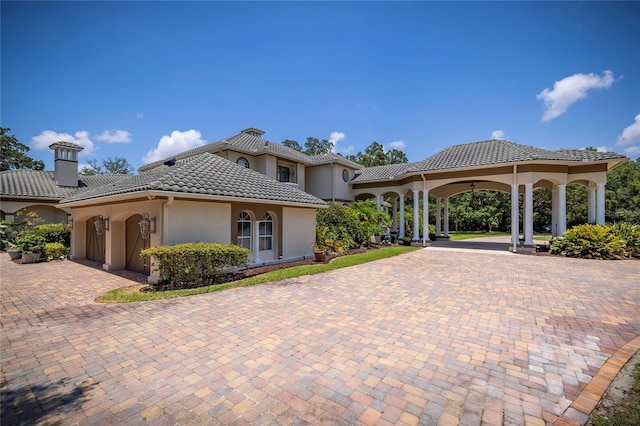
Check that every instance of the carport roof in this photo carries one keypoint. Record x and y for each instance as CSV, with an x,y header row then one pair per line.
x,y
205,174
484,153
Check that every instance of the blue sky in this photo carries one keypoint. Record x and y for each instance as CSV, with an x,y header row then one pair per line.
x,y
144,80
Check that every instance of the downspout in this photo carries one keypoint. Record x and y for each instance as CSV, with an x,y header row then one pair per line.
x,y
333,181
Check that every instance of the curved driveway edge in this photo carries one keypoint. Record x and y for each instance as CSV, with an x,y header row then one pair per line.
x,y
429,337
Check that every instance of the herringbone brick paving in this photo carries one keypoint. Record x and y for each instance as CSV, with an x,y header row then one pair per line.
x,y
430,337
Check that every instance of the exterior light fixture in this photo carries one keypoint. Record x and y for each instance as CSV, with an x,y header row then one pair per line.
x,y
101,223
145,226
473,186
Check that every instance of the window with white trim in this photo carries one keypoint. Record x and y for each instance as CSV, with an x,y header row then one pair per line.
x,y
265,230
244,230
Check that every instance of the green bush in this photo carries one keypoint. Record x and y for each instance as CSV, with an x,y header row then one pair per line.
x,y
590,242
54,233
630,235
54,251
31,243
194,264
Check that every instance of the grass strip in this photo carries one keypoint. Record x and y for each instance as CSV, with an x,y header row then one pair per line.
x,y
133,294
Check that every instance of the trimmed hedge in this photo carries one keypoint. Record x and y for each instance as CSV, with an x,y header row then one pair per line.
x,y
54,251
189,264
54,233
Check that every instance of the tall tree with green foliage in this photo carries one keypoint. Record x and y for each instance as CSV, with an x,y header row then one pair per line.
x,y
112,166
375,155
622,193
313,146
13,153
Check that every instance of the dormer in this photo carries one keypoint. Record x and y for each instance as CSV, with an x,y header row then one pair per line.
x,y
66,163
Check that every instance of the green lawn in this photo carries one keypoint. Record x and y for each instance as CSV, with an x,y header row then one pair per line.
x,y
133,294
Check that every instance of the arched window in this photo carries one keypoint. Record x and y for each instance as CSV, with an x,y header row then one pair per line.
x,y
266,232
243,162
244,230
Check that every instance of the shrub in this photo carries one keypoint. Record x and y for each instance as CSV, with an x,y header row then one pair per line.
x,y
54,251
186,265
31,243
590,242
371,218
338,222
336,239
630,235
54,233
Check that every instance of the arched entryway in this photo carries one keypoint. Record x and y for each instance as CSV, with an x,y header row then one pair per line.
x,y
134,245
95,243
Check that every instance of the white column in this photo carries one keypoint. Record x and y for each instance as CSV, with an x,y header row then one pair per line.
x,y
562,209
394,216
402,225
515,220
256,242
446,217
600,204
438,218
379,200
591,205
528,213
425,217
554,212
416,215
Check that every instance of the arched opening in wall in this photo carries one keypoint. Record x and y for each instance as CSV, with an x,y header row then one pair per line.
x,y
95,243
266,239
134,245
577,204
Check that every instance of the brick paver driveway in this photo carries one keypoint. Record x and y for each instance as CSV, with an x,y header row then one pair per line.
x,y
431,336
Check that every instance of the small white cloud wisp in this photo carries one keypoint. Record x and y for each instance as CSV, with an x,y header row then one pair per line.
x,y
47,137
399,145
497,134
114,136
571,89
173,144
630,138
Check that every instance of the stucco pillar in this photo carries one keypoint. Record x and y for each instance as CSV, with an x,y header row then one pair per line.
x,y
256,242
379,200
394,216
425,217
528,213
600,204
416,215
402,225
591,205
438,218
562,209
554,212
446,217
515,219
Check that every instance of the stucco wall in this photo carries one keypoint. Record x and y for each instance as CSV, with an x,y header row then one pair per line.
x,y
267,165
326,182
299,232
191,221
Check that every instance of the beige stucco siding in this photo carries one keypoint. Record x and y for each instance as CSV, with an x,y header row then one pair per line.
x,y
191,221
299,232
326,182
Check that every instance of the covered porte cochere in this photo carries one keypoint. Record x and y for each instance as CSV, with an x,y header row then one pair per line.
x,y
496,165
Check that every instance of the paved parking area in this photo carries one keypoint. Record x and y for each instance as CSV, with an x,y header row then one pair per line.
x,y
430,337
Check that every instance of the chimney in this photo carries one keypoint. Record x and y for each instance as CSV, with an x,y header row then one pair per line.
x,y
253,131
66,163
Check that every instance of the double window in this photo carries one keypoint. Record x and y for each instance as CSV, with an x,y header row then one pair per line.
x,y
284,174
244,230
266,232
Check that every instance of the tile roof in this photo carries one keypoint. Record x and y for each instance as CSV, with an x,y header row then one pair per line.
x,y
484,153
247,141
205,174
331,157
41,184
63,144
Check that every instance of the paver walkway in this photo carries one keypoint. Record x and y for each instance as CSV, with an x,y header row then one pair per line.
x,y
433,336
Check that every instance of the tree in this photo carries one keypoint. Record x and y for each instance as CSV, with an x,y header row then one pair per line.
x,y
112,166
13,153
375,155
313,146
292,144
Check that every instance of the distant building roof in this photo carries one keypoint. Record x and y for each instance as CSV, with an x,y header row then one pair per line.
x,y
248,141
204,174
41,184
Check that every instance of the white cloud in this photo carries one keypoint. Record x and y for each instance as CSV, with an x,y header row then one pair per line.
x,y
633,151
336,137
114,136
602,148
571,89
400,145
174,144
497,134
46,138
631,134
